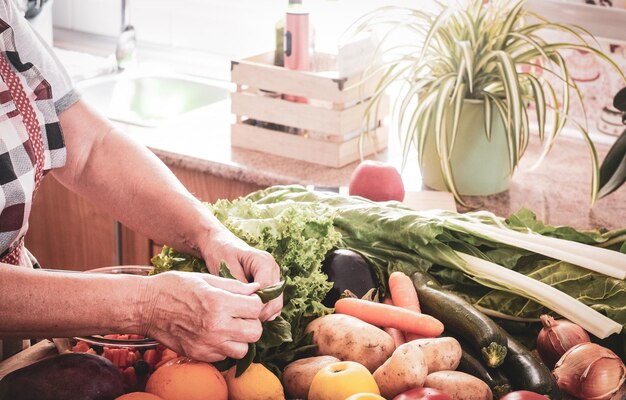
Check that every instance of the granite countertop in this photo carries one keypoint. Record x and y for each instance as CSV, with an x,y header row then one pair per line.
x,y
558,191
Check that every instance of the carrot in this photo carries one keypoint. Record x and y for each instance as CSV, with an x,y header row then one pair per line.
x,y
150,357
390,316
404,295
80,347
396,334
130,377
403,292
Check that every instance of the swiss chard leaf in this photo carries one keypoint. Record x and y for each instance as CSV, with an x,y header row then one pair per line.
x,y
275,333
394,238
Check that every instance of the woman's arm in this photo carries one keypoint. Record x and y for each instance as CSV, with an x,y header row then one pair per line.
x,y
129,181
200,315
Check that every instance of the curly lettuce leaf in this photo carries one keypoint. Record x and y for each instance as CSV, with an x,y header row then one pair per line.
x,y
298,236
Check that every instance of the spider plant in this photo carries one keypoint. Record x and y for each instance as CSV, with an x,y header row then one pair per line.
x,y
476,50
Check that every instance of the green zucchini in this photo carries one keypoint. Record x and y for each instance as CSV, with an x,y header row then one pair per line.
x,y
461,319
527,372
493,377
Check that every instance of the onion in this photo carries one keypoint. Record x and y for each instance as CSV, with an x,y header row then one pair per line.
x,y
556,337
590,371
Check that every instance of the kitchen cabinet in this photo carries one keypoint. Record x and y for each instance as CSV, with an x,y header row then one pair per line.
x,y
68,232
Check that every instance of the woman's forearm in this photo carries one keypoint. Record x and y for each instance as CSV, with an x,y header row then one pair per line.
x,y
129,181
38,303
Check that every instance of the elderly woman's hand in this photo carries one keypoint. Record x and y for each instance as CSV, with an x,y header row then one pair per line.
x,y
245,263
202,316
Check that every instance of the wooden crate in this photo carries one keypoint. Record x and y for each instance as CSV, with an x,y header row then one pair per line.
x,y
325,130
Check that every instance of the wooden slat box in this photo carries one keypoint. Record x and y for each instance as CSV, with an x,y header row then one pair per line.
x,y
325,130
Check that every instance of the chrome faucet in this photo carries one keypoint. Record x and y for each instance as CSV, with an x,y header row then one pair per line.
x,y
126,42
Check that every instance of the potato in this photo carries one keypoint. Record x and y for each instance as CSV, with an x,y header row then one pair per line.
x,y
442,354
350,339
459,385
405,369
298,375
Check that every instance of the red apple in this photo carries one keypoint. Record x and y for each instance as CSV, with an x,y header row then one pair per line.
x,y
377,181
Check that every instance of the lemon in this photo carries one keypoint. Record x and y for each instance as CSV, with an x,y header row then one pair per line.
x,y
257,383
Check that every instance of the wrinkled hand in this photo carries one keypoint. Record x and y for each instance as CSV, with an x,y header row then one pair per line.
x,y
246,264
202,316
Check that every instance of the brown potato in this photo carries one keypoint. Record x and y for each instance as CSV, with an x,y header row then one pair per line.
x,y
459,385
442,354
405,369
298,375
350,339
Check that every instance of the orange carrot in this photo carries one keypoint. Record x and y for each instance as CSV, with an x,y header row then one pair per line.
x,y
404,295
390,316
396,334
403,292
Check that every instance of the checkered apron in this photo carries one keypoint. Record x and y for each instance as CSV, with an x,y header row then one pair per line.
x,y
31,143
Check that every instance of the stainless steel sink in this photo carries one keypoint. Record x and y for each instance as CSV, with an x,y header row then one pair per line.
x,y
150,100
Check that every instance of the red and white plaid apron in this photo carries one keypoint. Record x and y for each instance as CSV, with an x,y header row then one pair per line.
x,y
24,108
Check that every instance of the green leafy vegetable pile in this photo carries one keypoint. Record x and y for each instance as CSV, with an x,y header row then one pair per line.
x,y
298,236
299,227
395,238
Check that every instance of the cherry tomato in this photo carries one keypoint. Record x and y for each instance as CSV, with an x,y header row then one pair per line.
x,y
523,395
423,393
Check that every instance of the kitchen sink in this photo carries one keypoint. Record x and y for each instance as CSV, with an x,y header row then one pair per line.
x,y
150,100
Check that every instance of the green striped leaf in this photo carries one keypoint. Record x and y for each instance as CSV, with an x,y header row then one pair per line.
x,y
540,103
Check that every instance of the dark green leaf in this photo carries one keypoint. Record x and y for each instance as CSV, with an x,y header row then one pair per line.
x,y
275,333
224,271
271,292
613,168
224,365
246,361
619,101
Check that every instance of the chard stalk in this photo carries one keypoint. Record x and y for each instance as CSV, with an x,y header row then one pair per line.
x,y
604,261
501,278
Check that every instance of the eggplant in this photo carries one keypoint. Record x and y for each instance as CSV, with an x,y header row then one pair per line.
x,y
347,270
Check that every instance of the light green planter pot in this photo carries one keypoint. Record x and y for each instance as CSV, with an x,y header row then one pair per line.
x,y
479,166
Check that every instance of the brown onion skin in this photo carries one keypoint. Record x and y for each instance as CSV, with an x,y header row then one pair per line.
x,y
591,372
556,337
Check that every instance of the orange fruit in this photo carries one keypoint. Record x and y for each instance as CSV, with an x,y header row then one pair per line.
x,y
186,379
139,396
